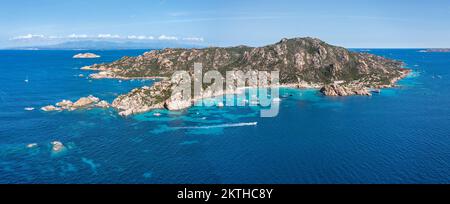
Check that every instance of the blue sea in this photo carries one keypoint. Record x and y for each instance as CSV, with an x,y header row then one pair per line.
x,y
401,135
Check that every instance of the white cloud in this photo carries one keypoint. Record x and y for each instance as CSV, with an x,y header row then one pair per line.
x,y
165,37
196,39
77,36
26,37
74,36
107,36
140,37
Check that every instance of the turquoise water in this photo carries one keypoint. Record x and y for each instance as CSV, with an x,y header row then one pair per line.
x,y
399,136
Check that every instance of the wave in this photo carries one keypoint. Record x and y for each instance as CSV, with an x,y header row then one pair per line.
x,y
219,126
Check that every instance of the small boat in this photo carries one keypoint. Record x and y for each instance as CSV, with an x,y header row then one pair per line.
x,y
254,102
376,90
157,114
26,80
29,108
32,145
276,100
220,104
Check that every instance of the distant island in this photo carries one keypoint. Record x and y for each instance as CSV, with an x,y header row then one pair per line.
x,y
302,62
436,50
86,55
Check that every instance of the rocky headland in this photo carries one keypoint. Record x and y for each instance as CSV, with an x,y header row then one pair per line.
x,y
302,63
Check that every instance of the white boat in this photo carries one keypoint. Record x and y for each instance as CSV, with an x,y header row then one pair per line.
x,y
29,108
276,100
376,90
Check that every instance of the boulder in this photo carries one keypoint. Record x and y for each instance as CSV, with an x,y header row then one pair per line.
x,y
57,146
102,104
65,104
85,101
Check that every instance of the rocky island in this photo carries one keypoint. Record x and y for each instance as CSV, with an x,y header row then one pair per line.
x,y
86,56
82,103
301,62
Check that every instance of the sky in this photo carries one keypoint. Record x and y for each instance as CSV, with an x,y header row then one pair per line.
x,y
347,23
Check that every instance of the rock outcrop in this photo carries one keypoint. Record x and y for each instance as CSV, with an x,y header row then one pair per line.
x,y
143,99
86,55
50,108
82,103
339,90
176,102
86,101
57,146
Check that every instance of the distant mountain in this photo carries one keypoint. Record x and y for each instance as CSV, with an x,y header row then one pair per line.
x,y
110,45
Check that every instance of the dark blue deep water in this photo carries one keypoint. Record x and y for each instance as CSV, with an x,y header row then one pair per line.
x,y
399,136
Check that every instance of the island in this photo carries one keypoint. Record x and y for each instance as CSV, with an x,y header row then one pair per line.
x,y
301,62
86,56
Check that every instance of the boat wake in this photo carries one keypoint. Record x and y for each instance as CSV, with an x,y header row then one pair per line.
x,y
220,126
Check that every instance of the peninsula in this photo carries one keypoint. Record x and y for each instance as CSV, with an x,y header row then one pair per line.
x,y
302,63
